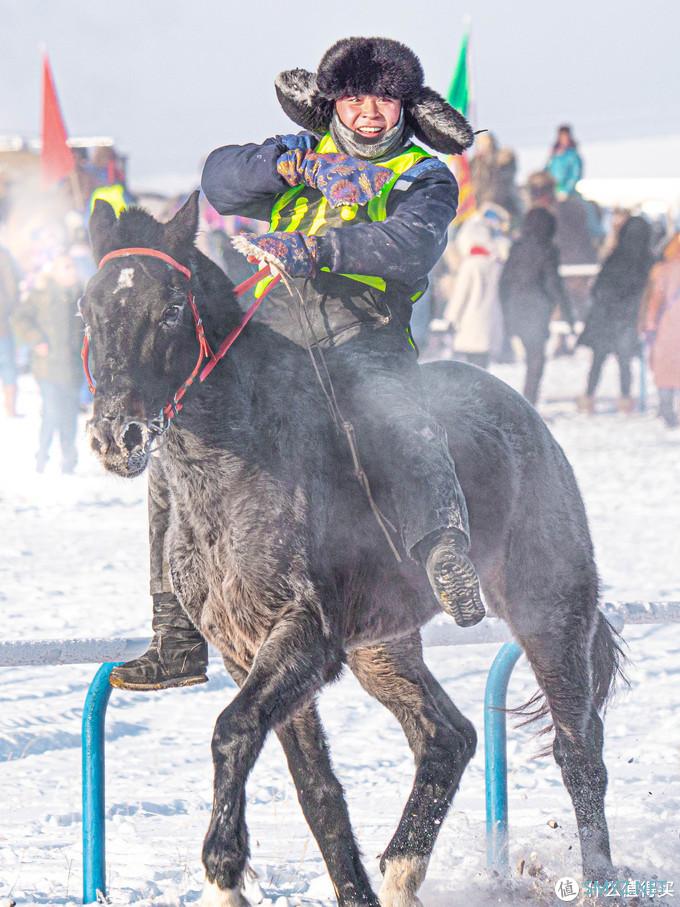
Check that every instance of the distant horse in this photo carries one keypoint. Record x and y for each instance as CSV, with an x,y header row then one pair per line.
x,y
276,556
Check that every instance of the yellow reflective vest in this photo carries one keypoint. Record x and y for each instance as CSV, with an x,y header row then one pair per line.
x,y
307,210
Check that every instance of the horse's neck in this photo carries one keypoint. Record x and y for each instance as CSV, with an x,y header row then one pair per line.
x,y
215,299
250,399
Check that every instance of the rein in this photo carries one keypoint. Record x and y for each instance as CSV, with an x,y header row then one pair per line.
x,y
207,358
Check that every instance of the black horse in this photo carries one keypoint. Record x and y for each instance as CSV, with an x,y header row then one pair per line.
x,y
277,558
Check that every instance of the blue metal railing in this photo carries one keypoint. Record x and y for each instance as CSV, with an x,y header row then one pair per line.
x,y
93,749
87,651
94,808
495,757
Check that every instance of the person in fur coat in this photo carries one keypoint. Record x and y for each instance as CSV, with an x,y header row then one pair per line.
x,y
473,311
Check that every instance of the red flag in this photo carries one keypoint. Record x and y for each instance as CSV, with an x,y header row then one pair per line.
x,y
56,157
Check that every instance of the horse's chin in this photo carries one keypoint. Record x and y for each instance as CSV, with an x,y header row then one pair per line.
x,y
127,466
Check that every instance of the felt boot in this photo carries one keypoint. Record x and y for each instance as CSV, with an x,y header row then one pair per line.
x,y
176,657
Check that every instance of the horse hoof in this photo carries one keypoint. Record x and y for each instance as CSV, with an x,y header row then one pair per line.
x,y
403,877
213,896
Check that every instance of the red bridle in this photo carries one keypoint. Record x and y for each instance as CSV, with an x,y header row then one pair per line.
x,y
200,370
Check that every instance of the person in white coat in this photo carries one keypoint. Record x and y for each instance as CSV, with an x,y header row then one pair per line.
x,y
473,313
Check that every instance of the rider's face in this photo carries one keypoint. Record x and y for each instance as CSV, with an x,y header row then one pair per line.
x,y
369,115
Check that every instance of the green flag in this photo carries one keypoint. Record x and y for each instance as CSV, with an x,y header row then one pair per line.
x,y
459,91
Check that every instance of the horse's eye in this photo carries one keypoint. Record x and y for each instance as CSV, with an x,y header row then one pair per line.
x,y
172,314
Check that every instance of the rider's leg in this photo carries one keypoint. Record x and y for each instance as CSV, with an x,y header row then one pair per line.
x,y
377,378
177,655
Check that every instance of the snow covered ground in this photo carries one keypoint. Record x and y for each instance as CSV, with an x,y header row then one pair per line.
x,y
74,565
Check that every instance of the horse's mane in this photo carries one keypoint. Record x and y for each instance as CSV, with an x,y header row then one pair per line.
x,y
137,227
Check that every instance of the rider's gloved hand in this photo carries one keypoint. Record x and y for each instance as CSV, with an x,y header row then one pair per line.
x,y
342,179
305,141
296,253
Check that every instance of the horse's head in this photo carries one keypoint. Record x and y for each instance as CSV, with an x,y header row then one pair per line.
x,y
141,329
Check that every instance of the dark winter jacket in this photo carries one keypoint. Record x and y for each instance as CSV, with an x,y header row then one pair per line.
x,y
616,296
49,315
530,286
402,249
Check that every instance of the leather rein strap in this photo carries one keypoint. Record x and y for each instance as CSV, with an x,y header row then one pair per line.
x,y
207,359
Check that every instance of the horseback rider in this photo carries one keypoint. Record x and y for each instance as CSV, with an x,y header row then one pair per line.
x,y
358,217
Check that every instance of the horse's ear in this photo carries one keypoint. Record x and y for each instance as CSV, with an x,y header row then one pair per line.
x,y
181,230
101,223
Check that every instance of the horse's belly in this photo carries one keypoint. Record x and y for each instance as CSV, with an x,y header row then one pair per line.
x,y
391,610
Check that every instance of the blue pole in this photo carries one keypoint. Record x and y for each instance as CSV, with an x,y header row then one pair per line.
x,y
496,763
94,720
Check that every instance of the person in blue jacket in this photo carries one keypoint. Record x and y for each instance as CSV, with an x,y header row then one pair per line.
x,y
358,215
565,164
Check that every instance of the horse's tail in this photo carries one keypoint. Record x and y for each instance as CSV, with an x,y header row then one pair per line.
x,y
607,660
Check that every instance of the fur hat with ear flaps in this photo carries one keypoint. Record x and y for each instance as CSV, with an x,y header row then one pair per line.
x,y
376,66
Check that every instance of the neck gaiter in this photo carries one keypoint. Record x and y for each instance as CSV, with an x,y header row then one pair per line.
x,y
350,142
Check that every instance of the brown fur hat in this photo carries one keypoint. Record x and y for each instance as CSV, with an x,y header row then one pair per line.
x,y
377,66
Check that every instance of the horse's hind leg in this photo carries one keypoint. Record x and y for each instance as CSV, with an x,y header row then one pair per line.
x,y
443,742
575,659
323,804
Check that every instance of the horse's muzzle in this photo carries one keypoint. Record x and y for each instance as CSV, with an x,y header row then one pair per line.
x,y
121,444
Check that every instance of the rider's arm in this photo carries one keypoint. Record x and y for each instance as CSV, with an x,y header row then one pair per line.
x,y
407,244
242,179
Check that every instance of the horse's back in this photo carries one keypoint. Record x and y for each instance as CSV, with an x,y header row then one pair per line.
x,y
520,490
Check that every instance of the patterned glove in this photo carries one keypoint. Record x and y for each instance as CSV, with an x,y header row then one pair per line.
x,y
342,179
294,253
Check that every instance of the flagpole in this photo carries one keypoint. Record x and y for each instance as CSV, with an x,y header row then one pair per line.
x,y
472,110
459,97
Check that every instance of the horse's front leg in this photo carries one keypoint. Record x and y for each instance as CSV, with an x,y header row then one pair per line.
x,y
295,661
321,798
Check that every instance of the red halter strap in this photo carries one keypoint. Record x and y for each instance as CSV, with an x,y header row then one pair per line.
x,y
151,253
201,371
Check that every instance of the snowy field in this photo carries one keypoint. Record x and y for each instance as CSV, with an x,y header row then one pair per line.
x,y
75,564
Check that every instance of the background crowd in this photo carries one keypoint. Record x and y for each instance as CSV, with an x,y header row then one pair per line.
x,y
531,272
538,270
